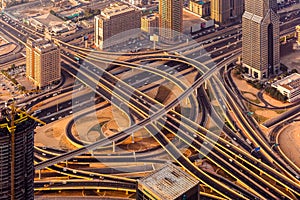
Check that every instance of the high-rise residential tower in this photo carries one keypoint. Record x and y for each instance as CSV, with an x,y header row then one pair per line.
x,y
42,62
225,11
16,155
170,18
260,38
116,24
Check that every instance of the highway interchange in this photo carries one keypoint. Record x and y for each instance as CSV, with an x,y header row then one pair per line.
x,y
249,174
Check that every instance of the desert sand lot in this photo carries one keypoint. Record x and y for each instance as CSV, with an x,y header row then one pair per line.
x,y
289,141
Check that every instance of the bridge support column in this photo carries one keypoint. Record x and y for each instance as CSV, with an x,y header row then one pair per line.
x,y
239,60
114,146
40,174
66,163
205,85
226,66
196,92
126,192
284,39
98,190
132,137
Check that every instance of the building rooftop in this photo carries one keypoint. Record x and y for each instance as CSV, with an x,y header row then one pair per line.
x,y
115,9
41,44
151,16
6,116
169,182
290,82
48,20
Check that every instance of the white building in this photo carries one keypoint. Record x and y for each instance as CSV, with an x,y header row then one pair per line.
x,y
289,86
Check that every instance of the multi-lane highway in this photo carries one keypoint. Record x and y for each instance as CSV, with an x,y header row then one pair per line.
x,y
251,174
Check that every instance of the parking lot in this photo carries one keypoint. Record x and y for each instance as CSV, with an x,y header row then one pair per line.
x,y
8,89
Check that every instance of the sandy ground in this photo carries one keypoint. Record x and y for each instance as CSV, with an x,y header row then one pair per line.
x,y
29,85
33,10
2,41
82,128
244,86
7,49
189,20
52,135
250,96
289,141
267,113
274,102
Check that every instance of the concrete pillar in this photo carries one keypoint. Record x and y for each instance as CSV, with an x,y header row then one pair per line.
x,y
205,85
196,92
239,60
114,146
132,137
40,174
284,39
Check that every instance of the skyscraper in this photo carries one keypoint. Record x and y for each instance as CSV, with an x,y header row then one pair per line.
x,y
260,38
225,11
170,18
116,24
16,155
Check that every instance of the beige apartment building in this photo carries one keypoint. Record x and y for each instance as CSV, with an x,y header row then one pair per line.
x,y
42,62
225,11
200,7
170,18
150,23
117,19
260,44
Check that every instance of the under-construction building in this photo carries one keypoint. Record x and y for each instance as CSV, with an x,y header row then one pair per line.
x,y
16,156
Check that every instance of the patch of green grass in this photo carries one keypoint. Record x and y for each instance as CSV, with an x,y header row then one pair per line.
x,y
258,118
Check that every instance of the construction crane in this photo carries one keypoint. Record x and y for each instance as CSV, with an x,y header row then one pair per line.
x,y
13,117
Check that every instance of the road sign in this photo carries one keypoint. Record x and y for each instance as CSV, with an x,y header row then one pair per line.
x,y
257,149
250,113
154,38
